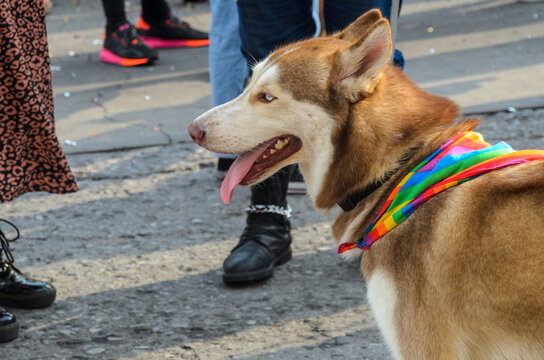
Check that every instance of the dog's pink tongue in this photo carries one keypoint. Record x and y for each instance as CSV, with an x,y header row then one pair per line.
x,y
238,170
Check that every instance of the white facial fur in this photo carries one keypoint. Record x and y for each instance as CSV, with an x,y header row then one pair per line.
x,y
244,123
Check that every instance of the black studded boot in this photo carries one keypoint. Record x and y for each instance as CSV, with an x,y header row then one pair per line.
x,y
266,239
15,289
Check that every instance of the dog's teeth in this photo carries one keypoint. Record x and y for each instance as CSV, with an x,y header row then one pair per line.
x,y
265,157
281,143
272,151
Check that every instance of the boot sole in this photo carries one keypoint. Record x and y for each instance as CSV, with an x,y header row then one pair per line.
x,y
28,301
9,332
258,275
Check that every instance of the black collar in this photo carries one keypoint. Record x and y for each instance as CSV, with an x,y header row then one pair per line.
x,y
350,202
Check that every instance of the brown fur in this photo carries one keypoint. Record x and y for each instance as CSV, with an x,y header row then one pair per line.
x,y
468,272
465,272
371,134
468,265
359,29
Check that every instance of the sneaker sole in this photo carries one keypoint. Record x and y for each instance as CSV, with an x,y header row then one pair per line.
x,y
158,43
110,58
28,301
9,332
259,275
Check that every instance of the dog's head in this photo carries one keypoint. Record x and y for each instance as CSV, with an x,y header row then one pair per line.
x,y
297,106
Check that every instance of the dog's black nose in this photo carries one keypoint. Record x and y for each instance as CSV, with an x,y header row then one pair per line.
x,y
196,132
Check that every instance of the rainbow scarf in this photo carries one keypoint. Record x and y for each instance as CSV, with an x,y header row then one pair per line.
x,y
462,158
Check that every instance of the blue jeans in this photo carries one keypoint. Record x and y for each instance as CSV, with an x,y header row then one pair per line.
x,y
228,67
265,25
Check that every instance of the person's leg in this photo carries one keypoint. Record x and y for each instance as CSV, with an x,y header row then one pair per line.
x,y
34,153
266,239
122,46
159,28
292,21
228,68
155,11
340,13
115,14
265,25
16,290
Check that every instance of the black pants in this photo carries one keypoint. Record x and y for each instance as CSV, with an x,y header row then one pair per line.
x,y
153,11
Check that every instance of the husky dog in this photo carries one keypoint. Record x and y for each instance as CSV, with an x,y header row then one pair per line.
x,y
459,275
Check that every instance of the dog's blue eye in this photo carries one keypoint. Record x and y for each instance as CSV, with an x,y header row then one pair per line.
x,y
266,98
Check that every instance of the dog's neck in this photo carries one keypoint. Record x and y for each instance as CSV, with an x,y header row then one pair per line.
x,y
350,202
349,226
377,132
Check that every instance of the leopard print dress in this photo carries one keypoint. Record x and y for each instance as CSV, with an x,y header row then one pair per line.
x,y
31,158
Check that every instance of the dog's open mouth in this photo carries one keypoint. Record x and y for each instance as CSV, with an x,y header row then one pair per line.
x,y
251,165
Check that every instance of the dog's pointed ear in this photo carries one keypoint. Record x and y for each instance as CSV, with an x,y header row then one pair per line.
x,y
359,27
358,67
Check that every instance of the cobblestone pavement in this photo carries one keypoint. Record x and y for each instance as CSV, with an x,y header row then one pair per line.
x,y
136,256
